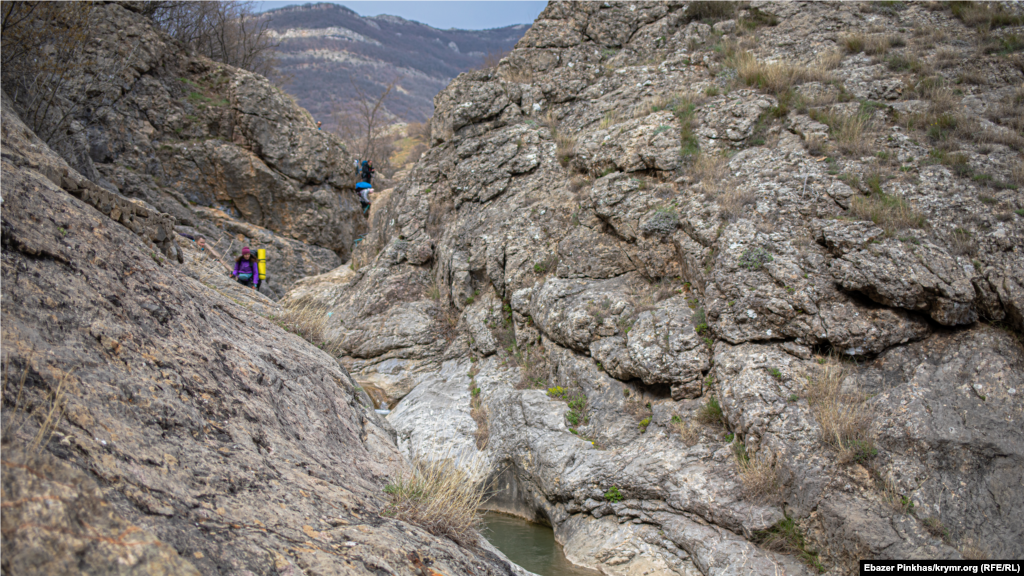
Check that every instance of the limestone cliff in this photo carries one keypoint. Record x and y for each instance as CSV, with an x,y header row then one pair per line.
x,y
719,286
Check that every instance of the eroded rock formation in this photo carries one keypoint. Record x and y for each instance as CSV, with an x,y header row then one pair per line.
x,y
633,260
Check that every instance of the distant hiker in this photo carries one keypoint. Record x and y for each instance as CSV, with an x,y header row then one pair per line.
x,y
201,244
364,189
246,271
367,171
318,125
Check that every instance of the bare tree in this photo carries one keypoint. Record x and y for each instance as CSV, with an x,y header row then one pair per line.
x,y
364,125
42,49
225,31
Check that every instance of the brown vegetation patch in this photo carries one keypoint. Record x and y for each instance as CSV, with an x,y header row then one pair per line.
x,y
441,496
844,421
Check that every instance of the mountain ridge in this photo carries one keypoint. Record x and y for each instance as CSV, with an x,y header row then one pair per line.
x,y
331,53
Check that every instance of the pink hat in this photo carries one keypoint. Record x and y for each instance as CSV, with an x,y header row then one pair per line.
x,y
245,250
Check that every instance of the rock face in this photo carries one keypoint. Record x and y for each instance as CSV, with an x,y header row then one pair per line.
x,y
157,421
624,229
178,131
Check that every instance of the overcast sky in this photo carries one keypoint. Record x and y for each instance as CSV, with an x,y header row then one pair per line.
x,y
465,14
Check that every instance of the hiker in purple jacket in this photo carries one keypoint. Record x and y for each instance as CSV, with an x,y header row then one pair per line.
x,y
246,271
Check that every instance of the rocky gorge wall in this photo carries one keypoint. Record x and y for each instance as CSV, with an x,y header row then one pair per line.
x,y
158,420
185,135
728,290
158,417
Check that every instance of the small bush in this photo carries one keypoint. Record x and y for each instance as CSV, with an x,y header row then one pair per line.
x,y
558,392
711,413
613,495
936,528
775,373
643,424
786,537
755,258
442,496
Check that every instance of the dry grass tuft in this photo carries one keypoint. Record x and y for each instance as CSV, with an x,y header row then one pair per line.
x,y
308,319
851,132
760,476
610,119
710,170
780,77
734,203
441,496
48,410
1017,173
479,415
687,431
971,550
892,497
845,423
888,212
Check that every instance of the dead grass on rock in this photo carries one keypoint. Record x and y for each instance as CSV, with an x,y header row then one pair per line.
x,y
308,319
851,132
687,430
442,496
843,419
759,475
779,77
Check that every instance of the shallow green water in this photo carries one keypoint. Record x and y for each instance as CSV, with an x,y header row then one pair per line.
x,y
530,545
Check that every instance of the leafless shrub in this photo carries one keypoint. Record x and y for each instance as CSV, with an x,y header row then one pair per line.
x,y
442,496
364,124
226,31
492,59
42,51
844,422
418,130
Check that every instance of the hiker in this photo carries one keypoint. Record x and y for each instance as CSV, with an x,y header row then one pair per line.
x,y
246,270
318,125
201,244
367,172
364,189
